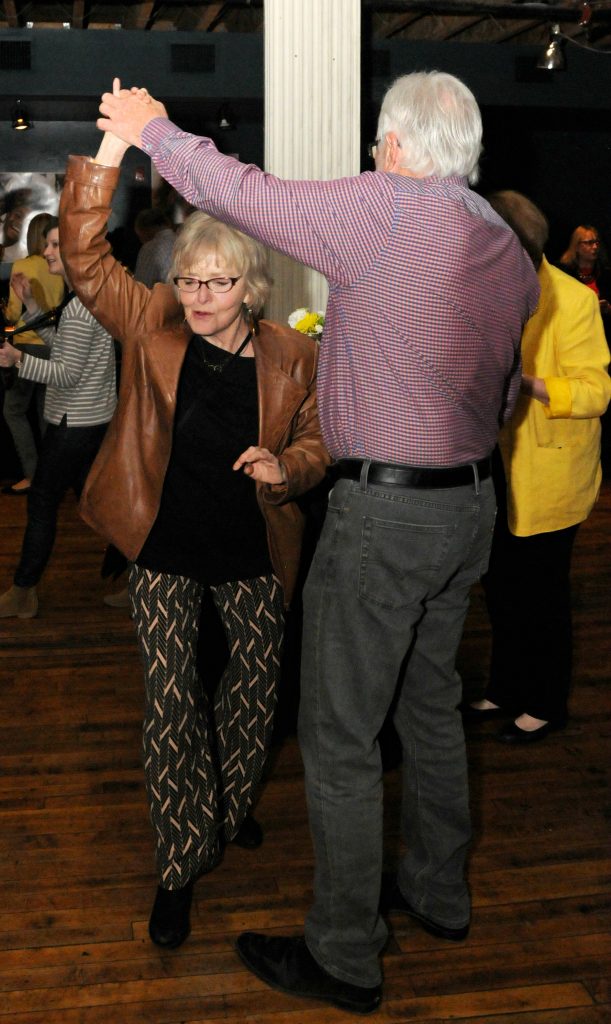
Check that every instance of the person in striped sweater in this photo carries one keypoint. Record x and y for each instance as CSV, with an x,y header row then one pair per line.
x,y
80,400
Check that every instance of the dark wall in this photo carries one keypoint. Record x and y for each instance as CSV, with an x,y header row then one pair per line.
x,y
559,158
78,63
194,74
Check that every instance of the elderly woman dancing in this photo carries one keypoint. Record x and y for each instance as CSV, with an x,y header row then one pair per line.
x,y
216,434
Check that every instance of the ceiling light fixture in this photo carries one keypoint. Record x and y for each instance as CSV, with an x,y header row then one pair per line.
x,y
21,121
552,58
225,118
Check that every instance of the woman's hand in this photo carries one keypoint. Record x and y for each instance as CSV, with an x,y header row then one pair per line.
x,y
112,148
21,286
534,387
127,113
8,355
260,464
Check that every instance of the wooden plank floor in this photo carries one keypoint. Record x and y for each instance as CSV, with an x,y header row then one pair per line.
x,y
77,876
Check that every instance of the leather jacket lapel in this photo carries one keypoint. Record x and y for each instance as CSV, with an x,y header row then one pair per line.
x,y
280,397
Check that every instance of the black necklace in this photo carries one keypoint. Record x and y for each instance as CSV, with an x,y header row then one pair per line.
x,y
222,366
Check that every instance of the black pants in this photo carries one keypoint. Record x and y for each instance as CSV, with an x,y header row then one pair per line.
x,y
529,602
64,461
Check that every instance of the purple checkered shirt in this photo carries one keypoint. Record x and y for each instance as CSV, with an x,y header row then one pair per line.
x,y
428,294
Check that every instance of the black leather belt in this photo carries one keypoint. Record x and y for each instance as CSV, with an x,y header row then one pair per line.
x,y
414,476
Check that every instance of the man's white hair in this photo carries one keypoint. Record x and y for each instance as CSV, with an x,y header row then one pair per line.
x,y
437,122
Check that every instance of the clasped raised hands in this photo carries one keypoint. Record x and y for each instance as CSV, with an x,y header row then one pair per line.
x,y
126,112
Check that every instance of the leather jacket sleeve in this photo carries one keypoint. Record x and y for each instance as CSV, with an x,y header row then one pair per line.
x,y
121,304
305,457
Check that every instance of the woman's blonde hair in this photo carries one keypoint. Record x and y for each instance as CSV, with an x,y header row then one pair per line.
x,y
571,253
202,235
37,233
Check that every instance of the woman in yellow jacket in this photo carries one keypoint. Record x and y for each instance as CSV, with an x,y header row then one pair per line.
x,y
48,291
551,460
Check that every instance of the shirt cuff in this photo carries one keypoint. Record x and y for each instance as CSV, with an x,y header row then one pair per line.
x,y
155,132
560,399
22,370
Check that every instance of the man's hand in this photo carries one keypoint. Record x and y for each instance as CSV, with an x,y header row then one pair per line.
x,y
127,113
260,464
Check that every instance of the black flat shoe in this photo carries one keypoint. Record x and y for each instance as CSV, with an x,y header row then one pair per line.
x,y
512,733
287,965
170,921
393,901
471,714
249,835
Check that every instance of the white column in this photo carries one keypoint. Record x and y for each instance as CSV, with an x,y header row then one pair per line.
x,y
312,115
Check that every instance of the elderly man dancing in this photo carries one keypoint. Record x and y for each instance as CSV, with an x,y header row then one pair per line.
x,y
429,291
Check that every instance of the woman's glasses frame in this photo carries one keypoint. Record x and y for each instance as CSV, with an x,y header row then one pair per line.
x,y
216,285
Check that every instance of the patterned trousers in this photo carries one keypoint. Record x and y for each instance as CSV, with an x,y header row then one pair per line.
x,y
203,759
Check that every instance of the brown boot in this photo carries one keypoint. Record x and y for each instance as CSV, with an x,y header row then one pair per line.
x,y
19,601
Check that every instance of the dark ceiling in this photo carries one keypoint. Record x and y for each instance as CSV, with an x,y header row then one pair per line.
x,y
586,22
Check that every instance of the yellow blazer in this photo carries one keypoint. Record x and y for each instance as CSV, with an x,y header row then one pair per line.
x,y
551,454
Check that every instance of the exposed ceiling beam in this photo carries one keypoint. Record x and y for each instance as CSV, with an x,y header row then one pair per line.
x,y
546,12
10,13
516,30
401,24
216,18
208,16
139,16
78,14
601,36
467,23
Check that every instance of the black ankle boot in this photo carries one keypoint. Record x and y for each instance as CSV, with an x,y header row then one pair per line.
x,y
170,922
249,835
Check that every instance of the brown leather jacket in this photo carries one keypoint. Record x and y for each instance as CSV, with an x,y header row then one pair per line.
x,y
122,494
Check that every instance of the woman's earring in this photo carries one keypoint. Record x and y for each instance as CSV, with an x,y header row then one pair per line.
x,y
253,323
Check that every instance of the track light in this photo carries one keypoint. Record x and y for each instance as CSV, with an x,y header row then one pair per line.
x,y
225,118
552,57
21,121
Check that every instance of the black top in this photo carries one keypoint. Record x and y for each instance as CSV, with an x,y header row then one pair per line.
x,y
209,526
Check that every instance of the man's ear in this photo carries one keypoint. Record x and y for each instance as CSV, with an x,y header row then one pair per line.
x,y
392,153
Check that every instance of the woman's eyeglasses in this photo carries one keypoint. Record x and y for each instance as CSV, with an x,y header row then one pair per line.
x,y
217,285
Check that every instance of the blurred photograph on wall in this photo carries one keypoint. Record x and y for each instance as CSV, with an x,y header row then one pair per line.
x,y
22,196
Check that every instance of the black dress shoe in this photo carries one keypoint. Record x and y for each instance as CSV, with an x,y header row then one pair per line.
x,y
286,964
512,733
393,901
471,714
249,835
170,921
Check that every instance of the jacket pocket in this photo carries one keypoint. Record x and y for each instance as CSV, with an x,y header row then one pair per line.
x,y
559,433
